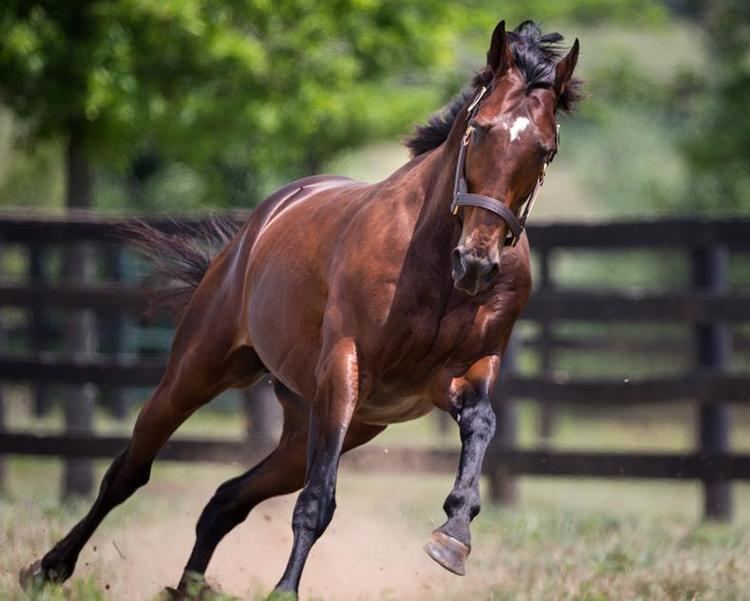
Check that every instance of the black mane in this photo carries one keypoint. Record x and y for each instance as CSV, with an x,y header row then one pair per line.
x,y
535,55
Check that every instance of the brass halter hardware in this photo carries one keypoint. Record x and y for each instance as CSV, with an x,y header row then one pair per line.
x,y
463,198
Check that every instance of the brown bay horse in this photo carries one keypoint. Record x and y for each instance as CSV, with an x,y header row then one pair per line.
x,y
368,305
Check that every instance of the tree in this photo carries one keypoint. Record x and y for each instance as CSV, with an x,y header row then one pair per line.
x,y
239,94
272,88
718,148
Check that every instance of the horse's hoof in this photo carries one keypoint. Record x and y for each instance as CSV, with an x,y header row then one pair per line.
x,y
283,596
170,594
192,587
448,552
31,576
179,594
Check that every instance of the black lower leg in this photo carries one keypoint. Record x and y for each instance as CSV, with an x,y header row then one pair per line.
x,y
477,427
120,481
280,473
313,511
222,513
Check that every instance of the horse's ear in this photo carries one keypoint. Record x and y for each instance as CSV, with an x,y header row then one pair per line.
x,y
564,69
499,56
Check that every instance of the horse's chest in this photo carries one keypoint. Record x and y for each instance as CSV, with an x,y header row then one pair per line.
x,y
458,337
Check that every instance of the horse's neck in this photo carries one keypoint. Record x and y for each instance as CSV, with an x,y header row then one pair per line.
x,y
436,226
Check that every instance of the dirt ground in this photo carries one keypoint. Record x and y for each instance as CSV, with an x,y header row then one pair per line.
x,y
361,557
370,551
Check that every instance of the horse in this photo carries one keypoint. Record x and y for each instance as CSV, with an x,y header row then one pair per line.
x,y
368,305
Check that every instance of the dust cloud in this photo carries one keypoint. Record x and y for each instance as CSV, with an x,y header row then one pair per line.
x,y
365,554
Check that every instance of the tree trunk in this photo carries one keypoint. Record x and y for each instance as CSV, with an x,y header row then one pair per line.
x,y
110,326
80,333
42,399
79,182
503,484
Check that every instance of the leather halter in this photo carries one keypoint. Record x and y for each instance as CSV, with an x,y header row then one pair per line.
x,y
463,198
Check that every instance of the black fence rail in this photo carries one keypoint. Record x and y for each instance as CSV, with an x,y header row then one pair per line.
x,y
714,311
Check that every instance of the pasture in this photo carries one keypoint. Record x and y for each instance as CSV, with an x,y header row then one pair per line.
x,y
568,539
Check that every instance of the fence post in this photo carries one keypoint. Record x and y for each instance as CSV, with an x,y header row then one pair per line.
x,y
110,327
258,404
80,342
503,485
546,409
709,269
41,400
3,474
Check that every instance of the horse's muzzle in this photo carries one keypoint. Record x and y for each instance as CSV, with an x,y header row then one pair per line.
x,y
472,274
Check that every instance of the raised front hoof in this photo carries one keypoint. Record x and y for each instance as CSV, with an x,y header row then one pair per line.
x,y
448,552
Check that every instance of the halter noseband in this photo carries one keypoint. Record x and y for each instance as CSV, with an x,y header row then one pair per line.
x,y
463,198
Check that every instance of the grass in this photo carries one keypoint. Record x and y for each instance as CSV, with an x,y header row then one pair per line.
x,y
568,539
542,554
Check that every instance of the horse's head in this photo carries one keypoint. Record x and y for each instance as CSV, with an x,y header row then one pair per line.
x,y
510,137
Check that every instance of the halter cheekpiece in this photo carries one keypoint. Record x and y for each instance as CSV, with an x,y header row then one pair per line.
x,y
463,198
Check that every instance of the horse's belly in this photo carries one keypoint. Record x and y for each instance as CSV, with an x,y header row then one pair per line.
x,y
383,409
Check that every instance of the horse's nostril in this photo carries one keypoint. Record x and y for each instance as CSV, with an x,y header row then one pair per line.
x,y
458,262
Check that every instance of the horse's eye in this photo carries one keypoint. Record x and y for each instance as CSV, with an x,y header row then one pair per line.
x,y
549,155
478,130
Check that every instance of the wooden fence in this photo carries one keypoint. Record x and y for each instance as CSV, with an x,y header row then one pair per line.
x,y
709,306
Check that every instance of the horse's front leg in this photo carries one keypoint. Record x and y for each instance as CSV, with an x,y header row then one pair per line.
x,y
338,384
471,408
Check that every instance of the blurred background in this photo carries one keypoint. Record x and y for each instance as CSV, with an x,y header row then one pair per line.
x,y
180,108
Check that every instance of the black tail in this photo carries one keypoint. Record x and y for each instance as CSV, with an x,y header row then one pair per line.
x,y
180,257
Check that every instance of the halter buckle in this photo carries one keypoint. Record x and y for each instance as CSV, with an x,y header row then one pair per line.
x,y
476,100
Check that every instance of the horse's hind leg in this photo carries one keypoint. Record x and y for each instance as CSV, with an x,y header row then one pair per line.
x,y
193,377
282,472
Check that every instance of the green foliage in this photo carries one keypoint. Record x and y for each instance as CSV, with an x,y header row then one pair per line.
x,y
246,92
624,141
481,15
28,172
718,147
233,97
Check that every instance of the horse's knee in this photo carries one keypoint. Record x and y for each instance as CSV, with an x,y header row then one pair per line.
x,y
314,510
478,420
123,478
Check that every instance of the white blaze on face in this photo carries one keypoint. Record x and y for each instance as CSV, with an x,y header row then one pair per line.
x,y
520,124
